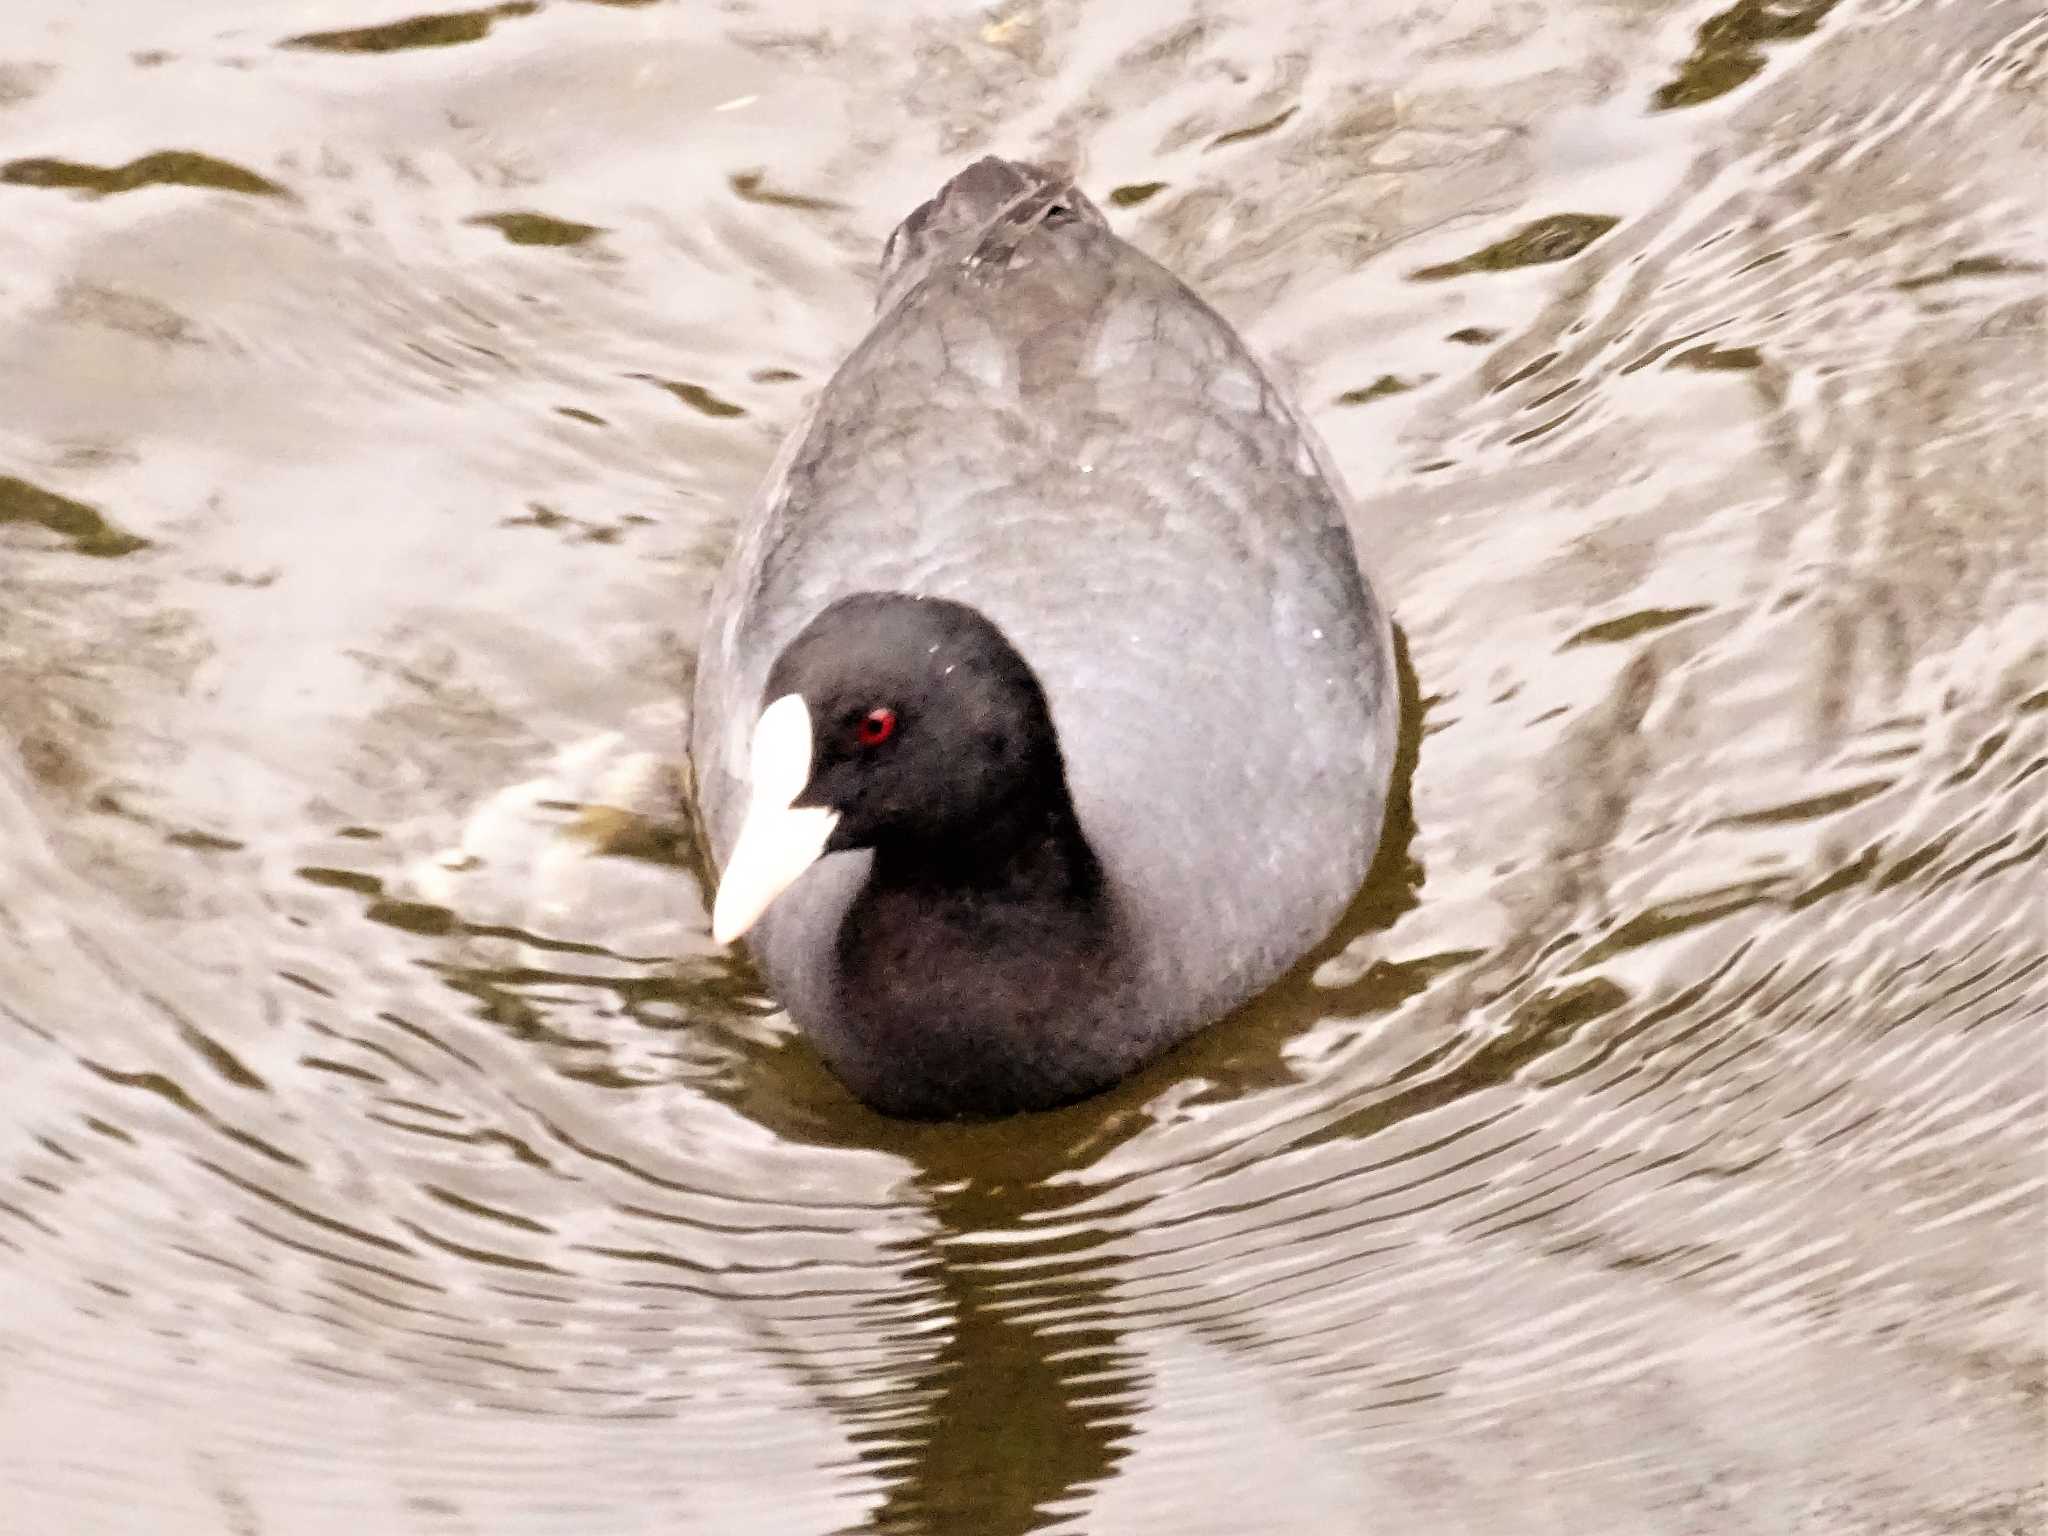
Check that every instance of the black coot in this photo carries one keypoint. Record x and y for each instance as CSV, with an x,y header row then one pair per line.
x,y
1043,713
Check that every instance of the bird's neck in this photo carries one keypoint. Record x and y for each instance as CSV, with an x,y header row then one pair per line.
x,y
1033,848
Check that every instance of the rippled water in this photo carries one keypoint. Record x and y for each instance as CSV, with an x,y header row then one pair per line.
x,y
1658,1147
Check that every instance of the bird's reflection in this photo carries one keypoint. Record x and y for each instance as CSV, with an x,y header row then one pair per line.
x,y
1030,1400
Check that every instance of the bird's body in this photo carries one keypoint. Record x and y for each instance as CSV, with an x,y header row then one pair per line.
x,y
1046,426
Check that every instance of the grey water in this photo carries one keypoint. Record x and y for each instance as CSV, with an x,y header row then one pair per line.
x,y
384,1145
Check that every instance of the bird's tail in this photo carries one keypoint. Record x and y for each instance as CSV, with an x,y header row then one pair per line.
x,y
963,212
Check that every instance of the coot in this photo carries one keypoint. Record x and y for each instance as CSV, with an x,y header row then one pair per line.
x,y
1043,713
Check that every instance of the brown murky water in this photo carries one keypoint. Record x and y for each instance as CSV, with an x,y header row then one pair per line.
x,y
384,1147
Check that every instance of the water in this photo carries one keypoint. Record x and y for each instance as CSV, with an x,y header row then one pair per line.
x,y
1658,1146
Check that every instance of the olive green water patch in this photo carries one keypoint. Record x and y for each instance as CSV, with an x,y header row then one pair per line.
x,y
198,841
1557,238
1682,915
1255,131
435,31
1135,193
341,879
1630,625
752,187
421,917
1811,808
1386,384
86,527
165,168
1712,359
537,228
1729,48
697,397
1967,267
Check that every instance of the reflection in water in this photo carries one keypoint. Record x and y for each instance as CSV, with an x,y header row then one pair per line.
x,y
386,1146
1025,1406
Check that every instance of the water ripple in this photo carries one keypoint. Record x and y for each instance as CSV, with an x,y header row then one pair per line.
x,y
1656,1139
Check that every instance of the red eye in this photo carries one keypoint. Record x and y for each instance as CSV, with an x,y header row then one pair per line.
x,y
876,727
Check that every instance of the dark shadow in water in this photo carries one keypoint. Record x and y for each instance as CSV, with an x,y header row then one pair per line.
x,y
1729,50
1557,238
85,527
165,168
441,30
1030,1400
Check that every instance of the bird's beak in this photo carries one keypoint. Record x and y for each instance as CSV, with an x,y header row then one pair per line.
x,y
778,840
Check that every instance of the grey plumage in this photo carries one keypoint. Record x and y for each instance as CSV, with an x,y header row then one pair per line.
x,y
1047,425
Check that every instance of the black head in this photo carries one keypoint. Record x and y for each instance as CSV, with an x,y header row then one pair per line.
x,y
910,726
927,728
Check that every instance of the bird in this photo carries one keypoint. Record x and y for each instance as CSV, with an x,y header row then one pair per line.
x,y
1044,713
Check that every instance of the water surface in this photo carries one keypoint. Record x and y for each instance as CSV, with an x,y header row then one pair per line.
x,y
384,1146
